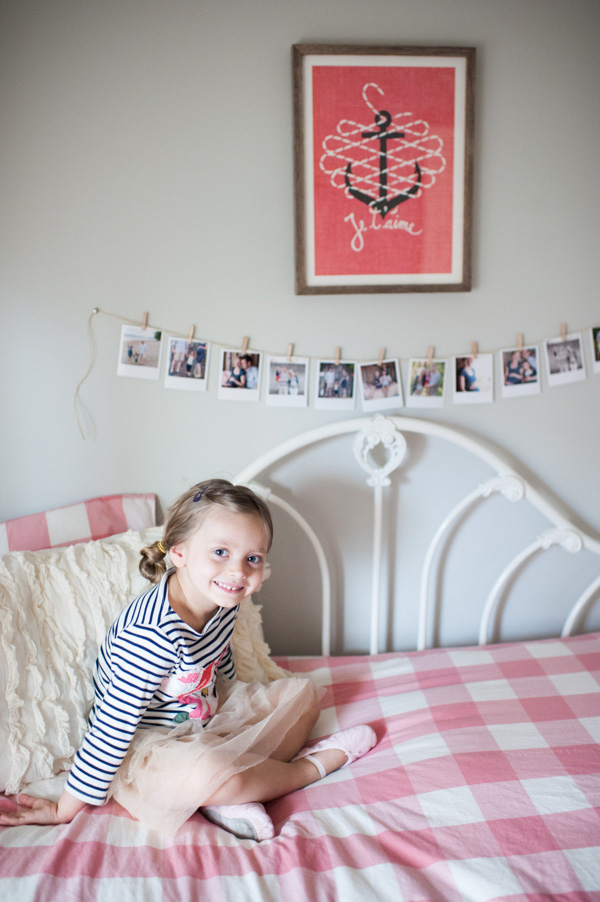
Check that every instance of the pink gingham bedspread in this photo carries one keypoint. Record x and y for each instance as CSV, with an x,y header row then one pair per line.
x,y
484,786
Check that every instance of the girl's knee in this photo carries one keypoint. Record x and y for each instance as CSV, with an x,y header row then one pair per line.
x,y
235,786
233,791
310,696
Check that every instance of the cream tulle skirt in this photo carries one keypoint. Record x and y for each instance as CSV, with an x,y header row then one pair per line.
x,y
169,774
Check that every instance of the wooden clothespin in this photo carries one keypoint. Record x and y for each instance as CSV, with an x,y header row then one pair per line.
x,y
520,341
474,350
338,355
144,321
190,335
563,331
430,354
290,352
381,356
245,344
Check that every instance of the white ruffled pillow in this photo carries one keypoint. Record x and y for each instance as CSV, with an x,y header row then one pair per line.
x,y
55,608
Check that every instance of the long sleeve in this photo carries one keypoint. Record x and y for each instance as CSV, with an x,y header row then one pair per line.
x,y
227,664
140,658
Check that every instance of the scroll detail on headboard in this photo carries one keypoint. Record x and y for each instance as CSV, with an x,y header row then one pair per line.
x,y
380,448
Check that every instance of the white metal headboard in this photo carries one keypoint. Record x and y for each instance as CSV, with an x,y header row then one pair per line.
x,y
388,434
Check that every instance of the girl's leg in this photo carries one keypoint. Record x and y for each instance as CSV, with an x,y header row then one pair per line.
x,y
279,775
272,778
296,736
239,813
237,804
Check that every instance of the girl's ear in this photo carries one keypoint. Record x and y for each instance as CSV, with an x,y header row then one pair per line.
x,y
177,555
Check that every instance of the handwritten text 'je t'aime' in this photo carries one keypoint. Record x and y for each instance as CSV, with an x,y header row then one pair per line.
x,y
358,242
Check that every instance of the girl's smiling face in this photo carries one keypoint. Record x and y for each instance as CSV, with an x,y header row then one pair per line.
x,y
218,566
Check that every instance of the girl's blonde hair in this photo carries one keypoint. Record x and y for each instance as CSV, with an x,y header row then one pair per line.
x,y
185,516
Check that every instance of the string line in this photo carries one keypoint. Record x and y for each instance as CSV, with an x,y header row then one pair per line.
x,y
124,319
389,356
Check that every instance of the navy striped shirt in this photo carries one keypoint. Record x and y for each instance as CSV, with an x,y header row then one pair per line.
x,y
153,670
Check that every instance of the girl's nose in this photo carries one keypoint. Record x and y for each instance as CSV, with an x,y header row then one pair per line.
x,y
237,567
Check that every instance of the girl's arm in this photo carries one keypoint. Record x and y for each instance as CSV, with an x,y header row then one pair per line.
x,y
42,811
140,658
226,664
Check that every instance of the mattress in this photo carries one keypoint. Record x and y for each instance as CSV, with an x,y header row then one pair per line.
x,y
484,785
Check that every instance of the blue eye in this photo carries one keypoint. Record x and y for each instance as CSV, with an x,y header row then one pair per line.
x,y
221,552
255,559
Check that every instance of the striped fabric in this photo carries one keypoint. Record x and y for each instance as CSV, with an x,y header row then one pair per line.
x,y
94,519
145,650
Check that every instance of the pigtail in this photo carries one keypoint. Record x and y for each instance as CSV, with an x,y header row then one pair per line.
x,y
153,565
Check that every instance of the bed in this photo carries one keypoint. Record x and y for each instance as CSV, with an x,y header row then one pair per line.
x,y
484,783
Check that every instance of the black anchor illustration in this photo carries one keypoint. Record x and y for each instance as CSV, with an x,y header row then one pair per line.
x,y
381,204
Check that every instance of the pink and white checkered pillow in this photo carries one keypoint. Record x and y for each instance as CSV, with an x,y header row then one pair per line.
x,y
93,519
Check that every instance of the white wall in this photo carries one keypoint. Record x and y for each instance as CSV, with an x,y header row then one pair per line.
x,y
147,166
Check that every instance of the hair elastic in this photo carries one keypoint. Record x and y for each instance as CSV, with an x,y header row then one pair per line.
x,y
161,548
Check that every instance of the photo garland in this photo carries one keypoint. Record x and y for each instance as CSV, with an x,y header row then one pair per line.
x,y
467,378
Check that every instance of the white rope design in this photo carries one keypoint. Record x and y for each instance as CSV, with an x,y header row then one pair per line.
x,y
349,146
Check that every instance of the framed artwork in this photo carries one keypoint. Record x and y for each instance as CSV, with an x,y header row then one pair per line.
x,y
383,163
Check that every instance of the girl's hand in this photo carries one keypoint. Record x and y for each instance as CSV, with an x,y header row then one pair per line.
x,y
42,811
31,811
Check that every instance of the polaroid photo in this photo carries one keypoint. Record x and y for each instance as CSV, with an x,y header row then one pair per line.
x,y
239,375
381,385
288,382
474,379
520,371
564,359
187,366
336,385
594,334
139,353
427,382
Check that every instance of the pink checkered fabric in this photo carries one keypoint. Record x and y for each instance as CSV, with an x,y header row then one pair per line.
x,y
93,519
484,785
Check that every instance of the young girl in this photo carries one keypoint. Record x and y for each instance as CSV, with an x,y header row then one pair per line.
x,y
160,740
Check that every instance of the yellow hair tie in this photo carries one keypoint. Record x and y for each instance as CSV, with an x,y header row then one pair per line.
x,y
161,548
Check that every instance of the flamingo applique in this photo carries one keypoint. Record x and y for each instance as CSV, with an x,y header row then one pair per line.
x,y
190,688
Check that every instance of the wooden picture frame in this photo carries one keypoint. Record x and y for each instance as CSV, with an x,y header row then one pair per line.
x,y
383,166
